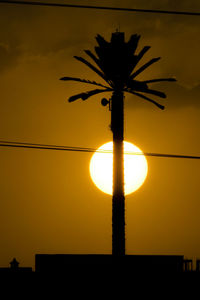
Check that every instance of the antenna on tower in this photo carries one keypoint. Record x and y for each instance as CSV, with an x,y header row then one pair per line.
x,y
118,27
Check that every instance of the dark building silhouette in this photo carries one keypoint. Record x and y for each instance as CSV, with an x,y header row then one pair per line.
x,y
63,263
14,268
198,265
67,265
187,265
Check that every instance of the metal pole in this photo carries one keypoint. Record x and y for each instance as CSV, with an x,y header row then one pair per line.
x,y
118,199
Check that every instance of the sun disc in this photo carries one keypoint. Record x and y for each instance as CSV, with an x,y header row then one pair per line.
x,y
135,168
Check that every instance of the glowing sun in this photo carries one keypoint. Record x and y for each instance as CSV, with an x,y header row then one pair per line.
x,y
135,168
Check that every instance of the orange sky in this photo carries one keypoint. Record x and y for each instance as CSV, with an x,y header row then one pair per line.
x,y
48,203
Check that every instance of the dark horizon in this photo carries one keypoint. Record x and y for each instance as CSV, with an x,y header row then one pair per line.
x,y
49,203
65,263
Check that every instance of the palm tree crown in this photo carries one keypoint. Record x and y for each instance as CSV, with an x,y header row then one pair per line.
x,y
115,64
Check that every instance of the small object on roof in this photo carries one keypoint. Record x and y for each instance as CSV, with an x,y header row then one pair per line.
x,y
14,264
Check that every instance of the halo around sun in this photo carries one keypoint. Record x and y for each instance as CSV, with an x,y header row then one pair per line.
x,y
135,168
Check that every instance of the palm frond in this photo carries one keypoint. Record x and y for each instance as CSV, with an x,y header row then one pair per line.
x,y
95,59
136,85
142,53
84,81
105,56
133,42
101,41
153,60
159,79
146,98
75,97
136,58
91,67
152,92
86,95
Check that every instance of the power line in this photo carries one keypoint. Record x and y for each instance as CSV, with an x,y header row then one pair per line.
x,y
90,150
47,147
138,10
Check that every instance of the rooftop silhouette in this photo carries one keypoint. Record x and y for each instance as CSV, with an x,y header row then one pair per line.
x,y
66,264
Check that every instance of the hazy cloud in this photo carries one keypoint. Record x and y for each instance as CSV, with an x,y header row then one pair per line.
x,y
58,34
177,97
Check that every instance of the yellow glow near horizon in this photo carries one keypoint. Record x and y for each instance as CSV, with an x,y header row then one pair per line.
x,y
135,168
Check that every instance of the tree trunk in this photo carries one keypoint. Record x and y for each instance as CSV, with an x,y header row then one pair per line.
x,y
118,199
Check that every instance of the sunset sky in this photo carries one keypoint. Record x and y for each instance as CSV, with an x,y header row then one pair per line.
x,y
48,202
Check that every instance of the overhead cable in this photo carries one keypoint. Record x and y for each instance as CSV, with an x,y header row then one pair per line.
x,y
137,10
90,150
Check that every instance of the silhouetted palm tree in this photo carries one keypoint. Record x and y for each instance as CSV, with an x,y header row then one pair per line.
x,y
116,61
